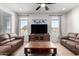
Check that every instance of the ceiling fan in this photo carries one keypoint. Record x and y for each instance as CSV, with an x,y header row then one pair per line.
x,y
43,5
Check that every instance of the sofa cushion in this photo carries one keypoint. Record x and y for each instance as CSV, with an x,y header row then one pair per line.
x,y
4,50
9,43
63,40
73,35
15,41
71,43
4,37
77,36
12,39
5,41
77,40
77,46
65,37
12,43
73,39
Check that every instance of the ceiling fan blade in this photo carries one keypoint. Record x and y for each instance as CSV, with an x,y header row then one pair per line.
x,y
45,3
49,3
38,7
46,8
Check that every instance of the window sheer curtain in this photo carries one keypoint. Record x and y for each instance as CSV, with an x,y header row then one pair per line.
x,y
56,28
5,22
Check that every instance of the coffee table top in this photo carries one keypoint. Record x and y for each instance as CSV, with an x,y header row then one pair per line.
x,y
40,44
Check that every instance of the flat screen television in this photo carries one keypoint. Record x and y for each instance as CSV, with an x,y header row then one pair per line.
x,y
39,28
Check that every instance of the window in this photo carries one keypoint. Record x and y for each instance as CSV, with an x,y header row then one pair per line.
x,y
23,26
55,23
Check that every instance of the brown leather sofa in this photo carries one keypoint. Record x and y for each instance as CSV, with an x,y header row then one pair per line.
x,y
9,43
71,41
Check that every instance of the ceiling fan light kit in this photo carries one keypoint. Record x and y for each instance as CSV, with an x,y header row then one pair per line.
x,y
43,5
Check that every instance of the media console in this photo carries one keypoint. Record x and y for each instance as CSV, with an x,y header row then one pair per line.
x,y
39,37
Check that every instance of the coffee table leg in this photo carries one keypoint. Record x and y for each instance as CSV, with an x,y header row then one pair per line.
x,y
55,52
26,53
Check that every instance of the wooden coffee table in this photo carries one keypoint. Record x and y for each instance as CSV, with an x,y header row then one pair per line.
x,y
40,45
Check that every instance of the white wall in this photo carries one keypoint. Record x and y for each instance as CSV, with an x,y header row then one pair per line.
x,y
73,20
3,8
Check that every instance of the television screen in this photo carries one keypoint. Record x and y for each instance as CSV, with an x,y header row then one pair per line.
x,y
39,28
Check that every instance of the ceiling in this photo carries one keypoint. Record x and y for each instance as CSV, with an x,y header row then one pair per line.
x,y
31,7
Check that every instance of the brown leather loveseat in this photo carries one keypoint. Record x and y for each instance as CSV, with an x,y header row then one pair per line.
x,y
71,41
9,43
